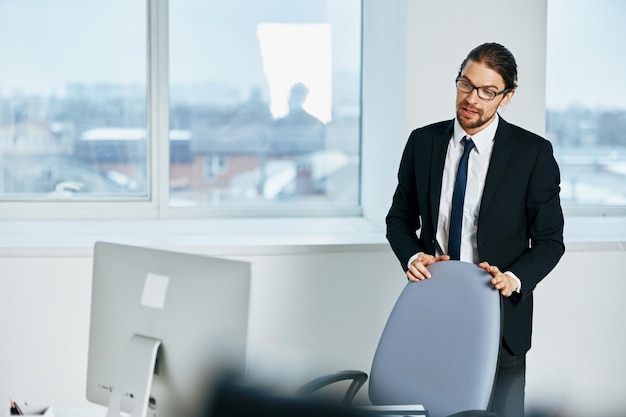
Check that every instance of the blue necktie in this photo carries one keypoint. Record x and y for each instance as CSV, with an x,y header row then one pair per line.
x,y
458,198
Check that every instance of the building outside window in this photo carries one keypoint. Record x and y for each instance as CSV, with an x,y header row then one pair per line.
x,y
73,100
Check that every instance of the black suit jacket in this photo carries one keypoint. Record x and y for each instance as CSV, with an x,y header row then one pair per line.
x,y
520,224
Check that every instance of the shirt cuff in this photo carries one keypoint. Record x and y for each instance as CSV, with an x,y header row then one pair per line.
x,y
412,258
519,283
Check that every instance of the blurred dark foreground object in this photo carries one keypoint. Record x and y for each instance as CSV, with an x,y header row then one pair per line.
x,y
233,399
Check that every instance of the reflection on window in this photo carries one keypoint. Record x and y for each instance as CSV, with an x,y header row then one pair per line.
x,y
73,99
271,101
586,104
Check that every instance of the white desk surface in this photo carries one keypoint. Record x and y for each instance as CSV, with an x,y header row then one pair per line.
x,y
80,412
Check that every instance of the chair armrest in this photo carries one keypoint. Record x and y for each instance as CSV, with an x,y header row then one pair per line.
x,y
358,379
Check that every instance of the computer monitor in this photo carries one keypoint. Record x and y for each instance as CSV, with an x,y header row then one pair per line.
x,y
163,325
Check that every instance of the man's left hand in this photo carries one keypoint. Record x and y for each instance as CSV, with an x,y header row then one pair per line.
x,y
500,281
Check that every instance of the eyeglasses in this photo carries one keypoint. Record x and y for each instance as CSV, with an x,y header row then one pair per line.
x,y
483,92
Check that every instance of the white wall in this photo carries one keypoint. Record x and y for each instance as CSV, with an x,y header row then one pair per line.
x,y
577,360
411,58
441,33
384,104
315,310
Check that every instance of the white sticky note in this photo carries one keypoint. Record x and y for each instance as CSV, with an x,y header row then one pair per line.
x,y
155,291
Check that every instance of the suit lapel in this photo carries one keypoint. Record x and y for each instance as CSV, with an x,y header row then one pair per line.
x,y
502,148
437,162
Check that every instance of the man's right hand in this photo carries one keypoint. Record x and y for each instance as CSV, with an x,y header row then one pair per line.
x,y
417,271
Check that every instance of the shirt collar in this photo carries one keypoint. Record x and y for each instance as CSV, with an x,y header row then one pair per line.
x,y
481,139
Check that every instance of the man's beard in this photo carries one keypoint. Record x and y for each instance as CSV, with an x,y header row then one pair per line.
x,y
465,124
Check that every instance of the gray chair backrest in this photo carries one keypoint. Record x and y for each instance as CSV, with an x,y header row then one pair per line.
x,y
441,343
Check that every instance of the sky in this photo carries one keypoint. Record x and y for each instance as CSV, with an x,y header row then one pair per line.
x,y
586,54
110,45
100,43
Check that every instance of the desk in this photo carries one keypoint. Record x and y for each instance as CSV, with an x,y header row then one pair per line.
x,y
80,412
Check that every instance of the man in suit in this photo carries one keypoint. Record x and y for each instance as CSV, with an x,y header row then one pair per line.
x,y
504,215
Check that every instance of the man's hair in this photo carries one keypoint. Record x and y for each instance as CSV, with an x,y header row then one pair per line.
x,y
496,57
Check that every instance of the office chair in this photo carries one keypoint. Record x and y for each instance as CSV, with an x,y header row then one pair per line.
x,y
439,347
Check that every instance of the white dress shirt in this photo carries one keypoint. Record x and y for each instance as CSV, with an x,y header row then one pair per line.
x,y
477,166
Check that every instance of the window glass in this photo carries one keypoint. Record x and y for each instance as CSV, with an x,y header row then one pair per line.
x,y
586,99
73,99
265,105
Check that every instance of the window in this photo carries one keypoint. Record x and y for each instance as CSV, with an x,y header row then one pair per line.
x,y
73,100
263,109
586,101
270,99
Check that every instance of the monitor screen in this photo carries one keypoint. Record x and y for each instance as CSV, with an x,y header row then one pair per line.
x,y
162,325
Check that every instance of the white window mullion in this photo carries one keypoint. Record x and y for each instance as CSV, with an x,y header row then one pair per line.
x,y
158,105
